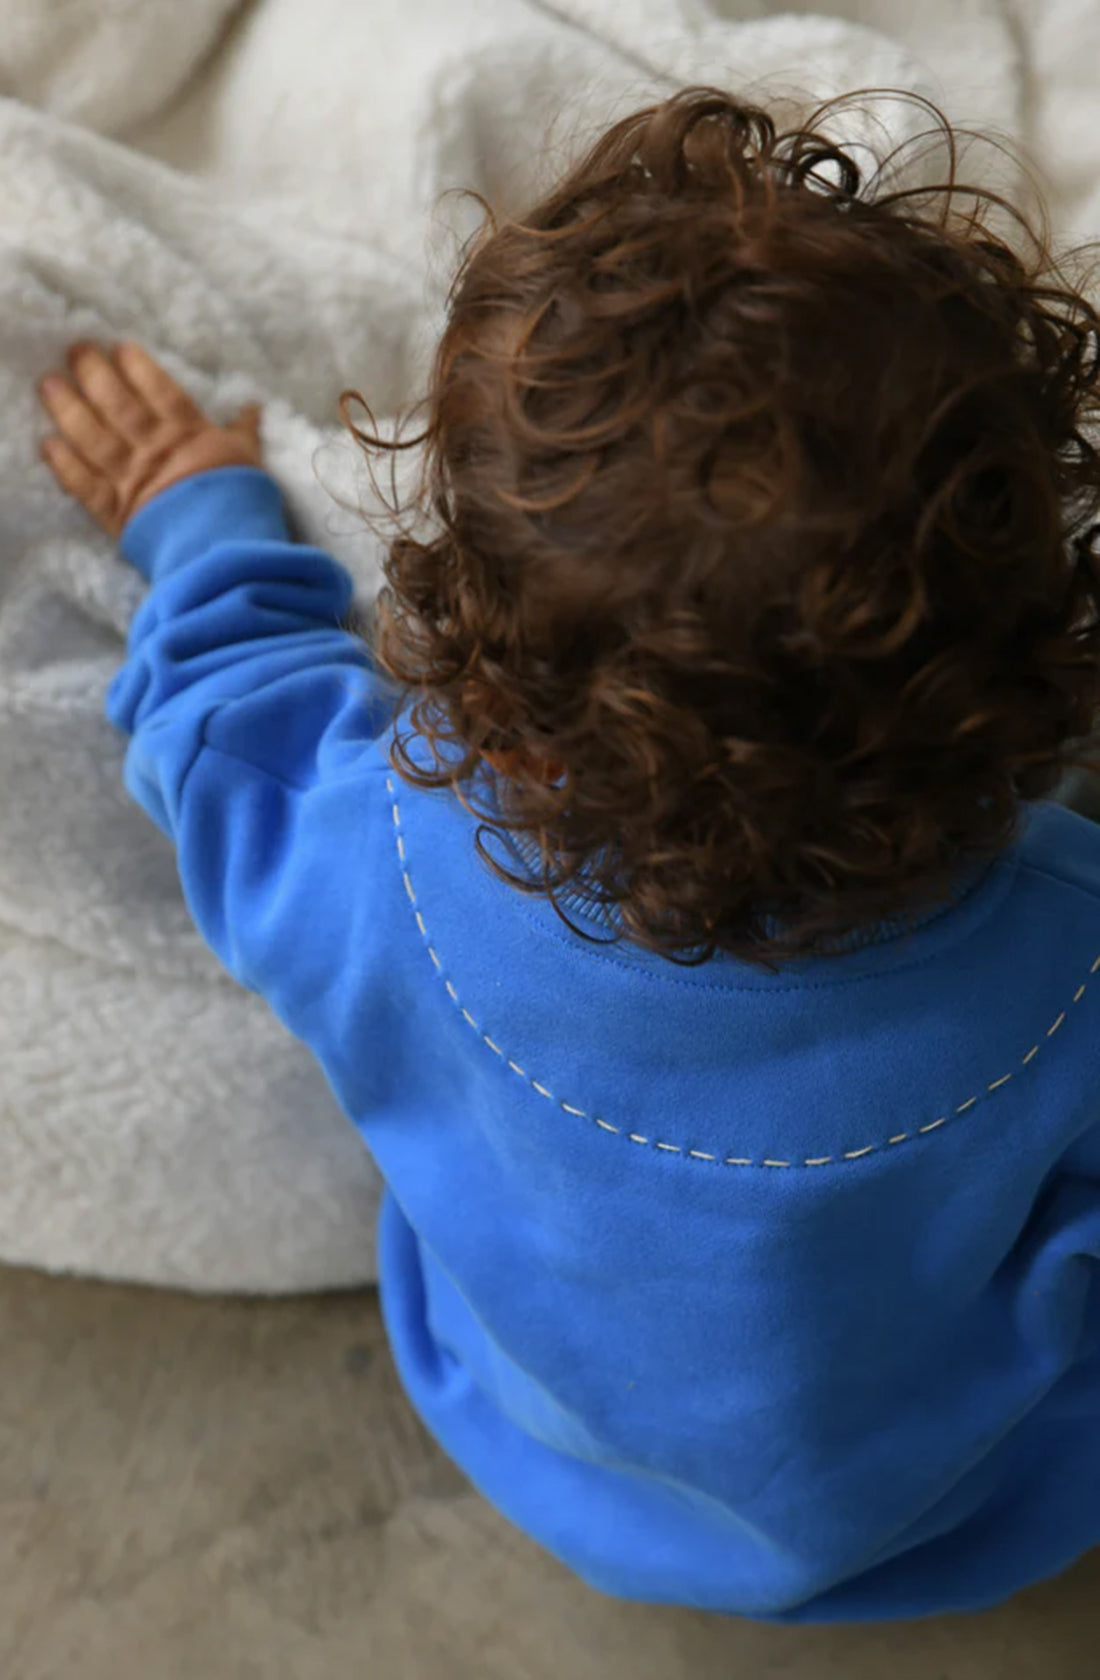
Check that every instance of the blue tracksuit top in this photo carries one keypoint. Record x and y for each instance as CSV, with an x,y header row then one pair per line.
x,y
768,1293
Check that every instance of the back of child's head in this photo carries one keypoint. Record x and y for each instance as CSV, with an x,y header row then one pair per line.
x,y
761,589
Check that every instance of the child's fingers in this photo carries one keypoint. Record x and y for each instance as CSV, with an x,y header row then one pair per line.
x,y
157,387
248,420
80,425
247,423
115,400
80,480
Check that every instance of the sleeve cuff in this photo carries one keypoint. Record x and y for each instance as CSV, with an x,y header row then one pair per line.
x,y
184,521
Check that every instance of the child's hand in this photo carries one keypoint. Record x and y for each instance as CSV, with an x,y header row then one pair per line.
x,y
126,430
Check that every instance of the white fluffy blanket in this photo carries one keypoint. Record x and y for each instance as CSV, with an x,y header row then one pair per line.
x,y
267,215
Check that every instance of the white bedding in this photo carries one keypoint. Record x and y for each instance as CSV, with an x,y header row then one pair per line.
x,y
267,216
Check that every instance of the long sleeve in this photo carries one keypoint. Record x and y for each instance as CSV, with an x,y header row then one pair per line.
x,y
254,718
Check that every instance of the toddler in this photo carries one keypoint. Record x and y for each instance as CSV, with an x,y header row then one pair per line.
x,y
667,891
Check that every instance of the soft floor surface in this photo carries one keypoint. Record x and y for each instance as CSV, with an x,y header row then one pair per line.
x,y
199,1490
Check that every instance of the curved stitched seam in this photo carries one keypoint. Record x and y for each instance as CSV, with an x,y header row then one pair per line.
x,y
679,1148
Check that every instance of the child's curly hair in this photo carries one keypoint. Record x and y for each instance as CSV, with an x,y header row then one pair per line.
x,y
764,583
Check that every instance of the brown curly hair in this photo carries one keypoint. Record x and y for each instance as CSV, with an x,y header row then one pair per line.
x,y
761,585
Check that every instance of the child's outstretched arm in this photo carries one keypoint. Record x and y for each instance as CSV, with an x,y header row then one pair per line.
x,y
253,713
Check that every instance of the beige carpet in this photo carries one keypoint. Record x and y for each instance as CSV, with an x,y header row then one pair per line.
x,y
223,1490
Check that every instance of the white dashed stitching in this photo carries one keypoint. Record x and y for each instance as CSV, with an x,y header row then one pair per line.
x,y
679,1148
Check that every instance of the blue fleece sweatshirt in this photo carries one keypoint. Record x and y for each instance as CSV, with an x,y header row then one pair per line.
x,y
768,1293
